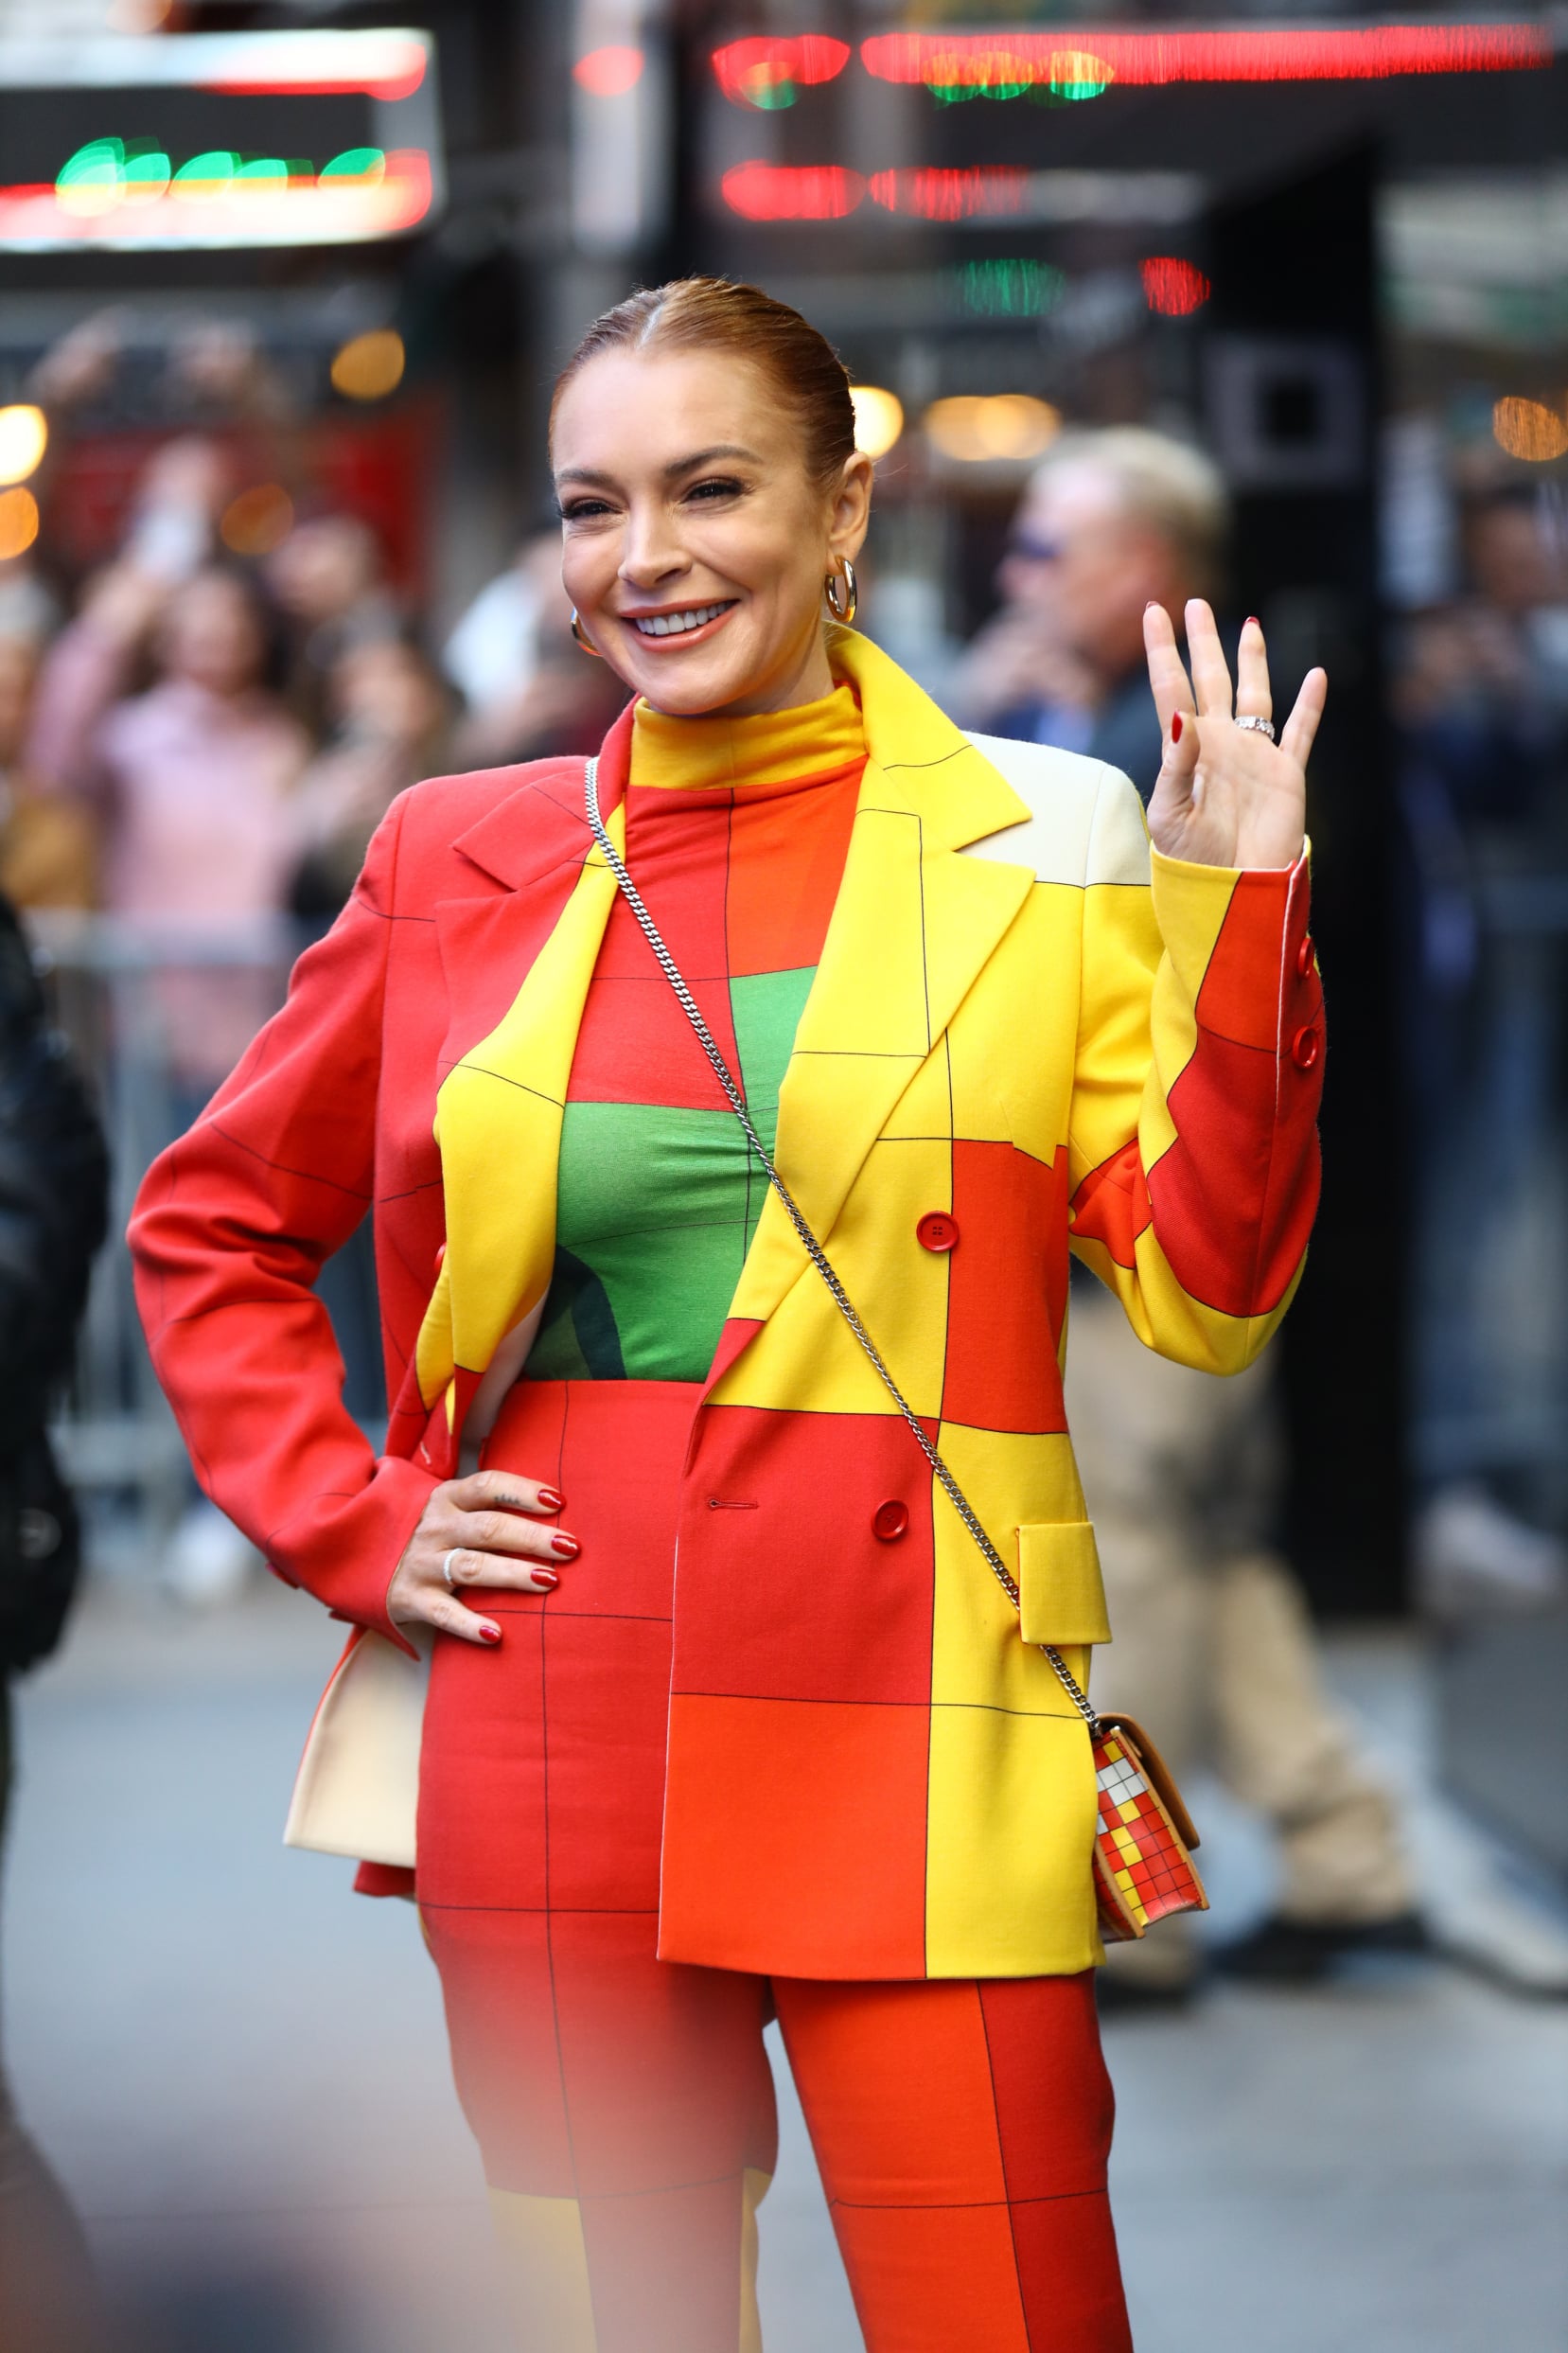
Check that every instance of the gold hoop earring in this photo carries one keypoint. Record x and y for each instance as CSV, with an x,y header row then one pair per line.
x,y
583,639
845,611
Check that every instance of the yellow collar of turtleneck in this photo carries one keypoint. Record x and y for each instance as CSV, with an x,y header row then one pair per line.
x,y
766,748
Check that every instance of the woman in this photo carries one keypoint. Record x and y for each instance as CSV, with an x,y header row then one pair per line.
x,y
820,1769
191,782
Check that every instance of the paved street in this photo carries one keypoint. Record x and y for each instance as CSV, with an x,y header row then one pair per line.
x,y
238,2069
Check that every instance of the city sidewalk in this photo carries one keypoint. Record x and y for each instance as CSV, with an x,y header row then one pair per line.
x,y
238,2069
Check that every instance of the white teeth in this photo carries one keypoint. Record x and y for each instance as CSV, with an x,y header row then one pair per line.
x,y
674,623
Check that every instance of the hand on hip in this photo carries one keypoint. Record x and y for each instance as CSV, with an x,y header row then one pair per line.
x,y
482,1531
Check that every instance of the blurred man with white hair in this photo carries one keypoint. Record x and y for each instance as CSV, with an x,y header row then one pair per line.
x,y
1112,521
1213,1648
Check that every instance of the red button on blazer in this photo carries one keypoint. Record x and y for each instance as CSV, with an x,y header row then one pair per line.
x,y
937,1231
1304,1048
890,1521
1305,953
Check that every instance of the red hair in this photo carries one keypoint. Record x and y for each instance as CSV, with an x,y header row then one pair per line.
x,y
719,315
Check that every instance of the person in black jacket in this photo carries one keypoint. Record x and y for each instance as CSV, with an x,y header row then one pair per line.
x,y
53,1214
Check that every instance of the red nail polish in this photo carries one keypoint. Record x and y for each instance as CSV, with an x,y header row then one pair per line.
x,y
1253,622
566,1545
550,1500
1176,727
547,1578
490,1633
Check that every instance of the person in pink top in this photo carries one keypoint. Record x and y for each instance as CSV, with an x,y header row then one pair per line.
x,y
192,781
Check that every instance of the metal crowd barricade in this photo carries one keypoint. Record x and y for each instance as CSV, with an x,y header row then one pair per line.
x,y
129,997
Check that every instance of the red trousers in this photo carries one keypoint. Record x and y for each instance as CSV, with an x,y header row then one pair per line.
x,y
623,2105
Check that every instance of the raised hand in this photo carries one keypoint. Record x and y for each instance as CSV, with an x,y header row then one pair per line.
x,y
1226,796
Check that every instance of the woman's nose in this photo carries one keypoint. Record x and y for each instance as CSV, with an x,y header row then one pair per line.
x,y
650,551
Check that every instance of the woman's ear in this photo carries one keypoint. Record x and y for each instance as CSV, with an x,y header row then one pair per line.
x,y
851,510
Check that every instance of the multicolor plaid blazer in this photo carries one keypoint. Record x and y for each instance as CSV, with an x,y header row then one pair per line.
x,y
1028,1037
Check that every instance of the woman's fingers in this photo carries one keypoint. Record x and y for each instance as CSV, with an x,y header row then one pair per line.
x,y
1167,676
1210,671
1253,695
492,1568
1301,727
502,1490
501,1532
450,1615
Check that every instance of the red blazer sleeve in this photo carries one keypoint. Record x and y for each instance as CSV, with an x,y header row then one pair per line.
x,y
228,1237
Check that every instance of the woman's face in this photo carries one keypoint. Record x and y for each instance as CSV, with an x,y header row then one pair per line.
x,y
696,543
212,636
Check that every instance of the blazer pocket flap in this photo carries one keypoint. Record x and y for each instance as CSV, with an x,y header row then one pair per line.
x,y
1061,1596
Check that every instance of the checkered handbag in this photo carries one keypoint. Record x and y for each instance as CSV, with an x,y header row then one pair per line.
x,y
1143,1868
1142,1864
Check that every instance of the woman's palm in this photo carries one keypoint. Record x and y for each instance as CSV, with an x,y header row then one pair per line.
x,y
1225,796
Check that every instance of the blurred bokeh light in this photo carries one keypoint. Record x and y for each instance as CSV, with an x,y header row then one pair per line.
x,y
606,73
258,521
1529,429
370,365
981,429
879,419
24,438
18,522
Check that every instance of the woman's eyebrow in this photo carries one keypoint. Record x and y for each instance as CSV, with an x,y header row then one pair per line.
x,y
672,472
706,457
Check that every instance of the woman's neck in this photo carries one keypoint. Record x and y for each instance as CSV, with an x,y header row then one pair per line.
x,y
761,751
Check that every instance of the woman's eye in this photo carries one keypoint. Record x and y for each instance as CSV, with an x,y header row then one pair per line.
x,y
718,486
583,511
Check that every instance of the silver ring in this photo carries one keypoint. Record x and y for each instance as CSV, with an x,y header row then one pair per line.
x,y
1259,727
447,1566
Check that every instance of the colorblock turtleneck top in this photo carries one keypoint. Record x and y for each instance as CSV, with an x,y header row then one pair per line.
x,y
736,834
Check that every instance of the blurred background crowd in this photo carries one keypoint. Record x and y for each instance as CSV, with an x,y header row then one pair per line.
x,y
1138,302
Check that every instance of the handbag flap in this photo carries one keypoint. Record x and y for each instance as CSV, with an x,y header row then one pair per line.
x,y
1156,1772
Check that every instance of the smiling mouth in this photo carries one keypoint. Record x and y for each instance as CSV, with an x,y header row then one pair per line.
x,y
678,623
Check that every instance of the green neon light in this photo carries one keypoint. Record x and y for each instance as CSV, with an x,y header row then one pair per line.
x,y
1013,288
954,93
207,174
356,163
148,172
97,166
107,173
1066,93
1043,93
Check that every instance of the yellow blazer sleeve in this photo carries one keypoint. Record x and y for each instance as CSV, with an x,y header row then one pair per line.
x,y
1193,1155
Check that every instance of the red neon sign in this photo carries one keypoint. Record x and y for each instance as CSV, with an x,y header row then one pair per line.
x,y
766,74
608,73
935,195
1174,288
1366,53
792,192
